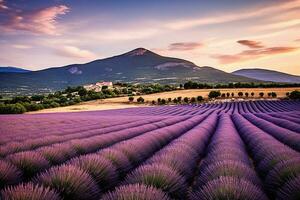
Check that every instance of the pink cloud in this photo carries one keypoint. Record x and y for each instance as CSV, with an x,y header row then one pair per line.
x,y
252,54
42,21
74,52
184,46
251,44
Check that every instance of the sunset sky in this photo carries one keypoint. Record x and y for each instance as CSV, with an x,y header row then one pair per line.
x,y
225,34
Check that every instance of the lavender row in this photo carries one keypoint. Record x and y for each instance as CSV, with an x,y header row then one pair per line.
x,y
227,172
285,136
277,164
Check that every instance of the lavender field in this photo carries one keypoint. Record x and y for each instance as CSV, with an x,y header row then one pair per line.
x,y
235,151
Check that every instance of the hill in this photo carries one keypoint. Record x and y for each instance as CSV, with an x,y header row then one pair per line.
x,y
13,70
137,66
268,75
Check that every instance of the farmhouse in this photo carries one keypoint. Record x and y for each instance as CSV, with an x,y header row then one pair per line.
x,y
97,87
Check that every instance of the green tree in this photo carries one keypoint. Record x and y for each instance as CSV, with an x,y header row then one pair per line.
x,y
261,94
140,100
186,99
200,98
240,94
295,95
214,94
193,100
252,94
247,94
131,99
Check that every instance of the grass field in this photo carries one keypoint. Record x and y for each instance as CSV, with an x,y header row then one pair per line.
x,y
122,102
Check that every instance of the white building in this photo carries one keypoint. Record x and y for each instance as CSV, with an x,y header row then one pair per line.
x,y
97,87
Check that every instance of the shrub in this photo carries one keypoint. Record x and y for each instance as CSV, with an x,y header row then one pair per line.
x,y
136,192
169,100
228,94
29,192
101,169
12,108
246,94
29,162
223,95
153,102
9,174
72,182
240,94
252,94
159,176
232,94
229,188
163,101
273,94
214,94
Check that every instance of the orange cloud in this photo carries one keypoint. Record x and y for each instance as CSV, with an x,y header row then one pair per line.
x,y
251,44
252,54
184,46
42,21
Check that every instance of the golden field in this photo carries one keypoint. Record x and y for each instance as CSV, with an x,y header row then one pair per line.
x,y
122,102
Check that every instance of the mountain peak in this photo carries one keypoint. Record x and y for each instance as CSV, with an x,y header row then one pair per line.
x,y
138,52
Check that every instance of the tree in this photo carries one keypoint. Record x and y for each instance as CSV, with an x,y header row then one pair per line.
x,y
163,101
179,99
252,94
287,94
186,99
261,94
82,92
269,94
240,94
199,98
169,100
232,94
140,100
131,99
153,102
223,95
175,100
193,100
228,94
247,94
274,95
295,95
159,100
214,94
12,108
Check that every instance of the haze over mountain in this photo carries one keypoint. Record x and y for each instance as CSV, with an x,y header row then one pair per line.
x,y
268,75
13,70
137,66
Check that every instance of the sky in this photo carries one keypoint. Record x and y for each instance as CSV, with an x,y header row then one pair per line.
x,y
225,34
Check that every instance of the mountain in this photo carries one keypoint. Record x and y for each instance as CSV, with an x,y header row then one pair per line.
x,y
268,75
137,66
13,70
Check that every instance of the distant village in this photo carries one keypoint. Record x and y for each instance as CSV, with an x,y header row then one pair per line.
x,y
97,87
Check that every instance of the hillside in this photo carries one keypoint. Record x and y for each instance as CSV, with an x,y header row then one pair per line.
x,y
137,66
13,70
268,75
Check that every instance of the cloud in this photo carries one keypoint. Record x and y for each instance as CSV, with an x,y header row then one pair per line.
x,y
74,52
41,21
251,44
252,54
2,5
184,46
21,46
229,17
